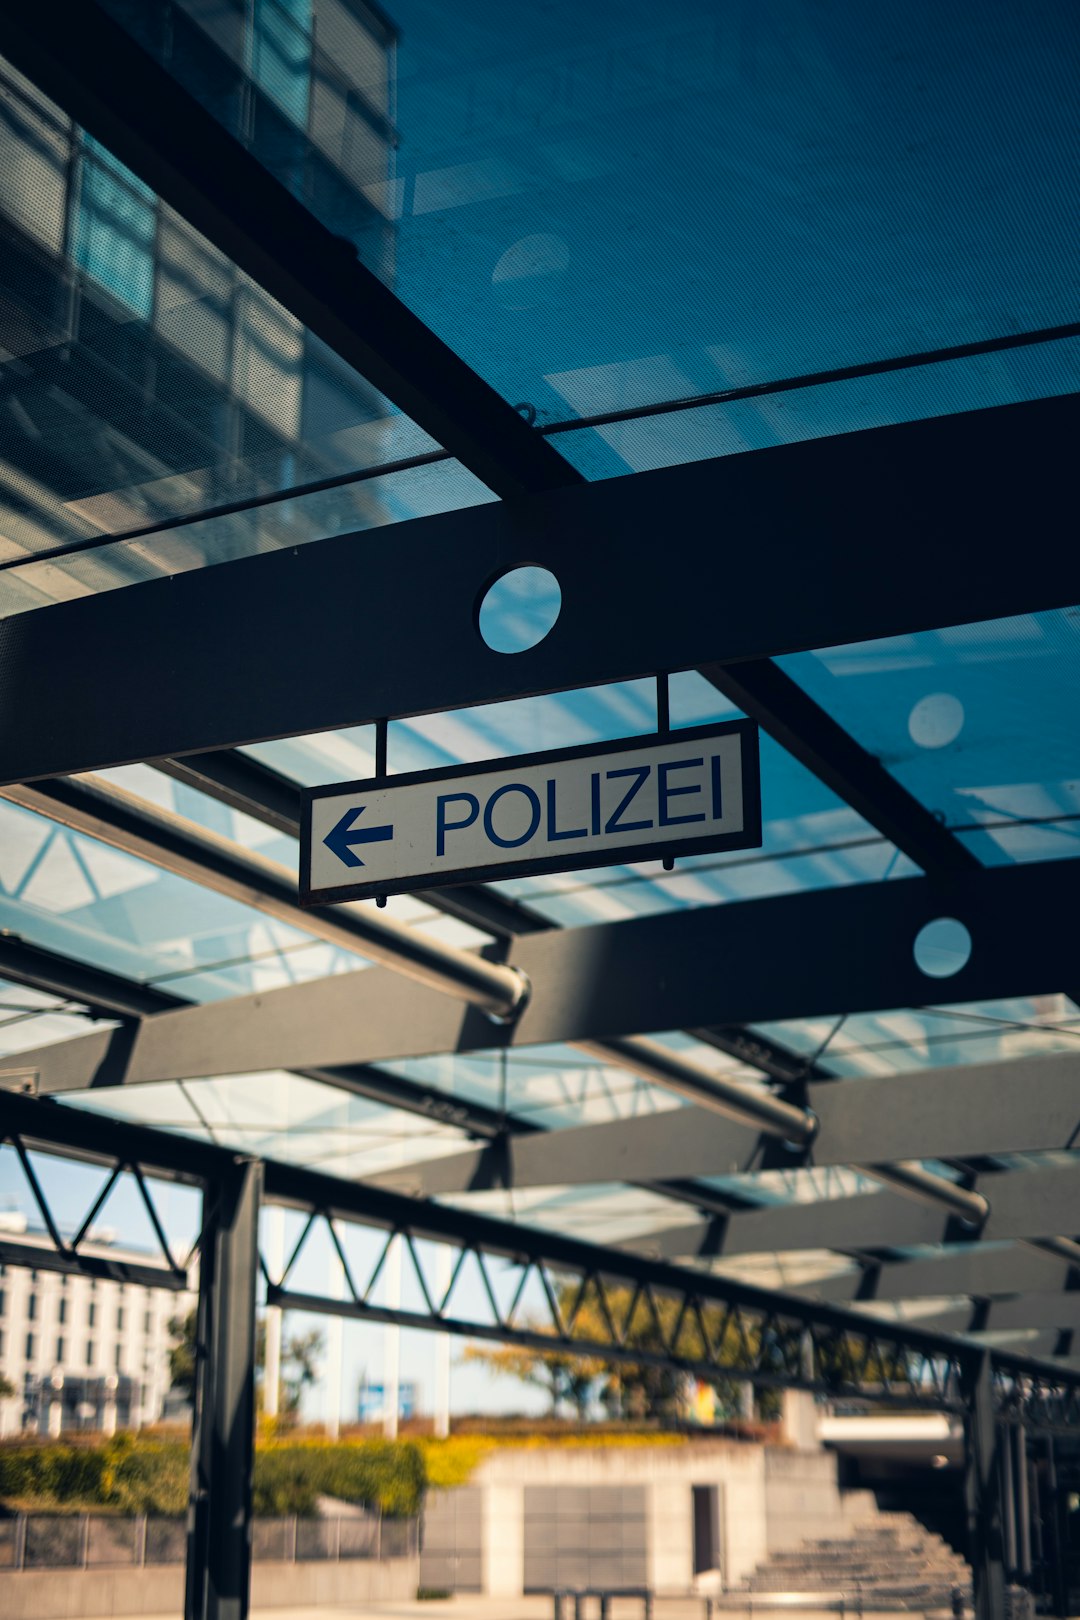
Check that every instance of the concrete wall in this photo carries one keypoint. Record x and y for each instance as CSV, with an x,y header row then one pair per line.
x,y
585,1535
452,1540
623,1515
70,1594
801,1497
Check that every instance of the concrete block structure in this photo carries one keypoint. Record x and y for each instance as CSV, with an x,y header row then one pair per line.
x,y
703,1513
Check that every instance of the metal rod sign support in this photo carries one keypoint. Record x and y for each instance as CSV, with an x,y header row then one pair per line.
x,y
222,1452
688,792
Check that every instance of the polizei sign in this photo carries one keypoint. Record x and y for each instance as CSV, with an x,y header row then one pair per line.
x,y
677,793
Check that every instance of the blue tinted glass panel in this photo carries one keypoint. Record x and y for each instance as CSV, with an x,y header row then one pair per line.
x,y
281,54
614,205
113,236
977,721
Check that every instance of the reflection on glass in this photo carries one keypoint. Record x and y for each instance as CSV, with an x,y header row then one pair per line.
x,y
149,378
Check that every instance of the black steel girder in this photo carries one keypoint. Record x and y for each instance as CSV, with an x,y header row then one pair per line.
x,y
976,1269
780,706
774,543
668,971
781,1338
1019,1105
1035,1204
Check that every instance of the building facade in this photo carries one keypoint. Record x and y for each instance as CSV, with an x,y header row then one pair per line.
x,y
82,1352
146,377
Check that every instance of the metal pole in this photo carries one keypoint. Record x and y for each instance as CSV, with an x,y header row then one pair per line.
x,y
1037,1525
441,1404
335,1349
1008,1504
129,823
222,1452
697,1083
909,1177
1023,1504
392,1342
275,1260
981,1498
1058,1588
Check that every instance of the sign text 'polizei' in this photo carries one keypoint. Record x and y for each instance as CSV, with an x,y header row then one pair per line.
x,y
680,793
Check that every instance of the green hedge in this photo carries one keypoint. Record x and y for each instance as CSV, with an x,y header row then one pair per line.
x,y
385,1474
134,1474
125,1474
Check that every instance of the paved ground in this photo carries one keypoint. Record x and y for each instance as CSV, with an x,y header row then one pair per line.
x,y
485,1608
540,1608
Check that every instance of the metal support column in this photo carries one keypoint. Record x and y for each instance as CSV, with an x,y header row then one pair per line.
x,y
222,1452
1056,1550
981,1495
1008,1499
1023,1504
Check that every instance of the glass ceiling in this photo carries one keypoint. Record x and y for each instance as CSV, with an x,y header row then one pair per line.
x,y
604,210
613,205
148,381
977,721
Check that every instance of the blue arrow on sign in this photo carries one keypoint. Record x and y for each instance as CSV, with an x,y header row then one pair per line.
x,y
340,839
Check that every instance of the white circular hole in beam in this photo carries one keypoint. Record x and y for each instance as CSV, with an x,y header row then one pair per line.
x,y
936,720
519,609
942,948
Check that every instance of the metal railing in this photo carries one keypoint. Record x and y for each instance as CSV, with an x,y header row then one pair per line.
x,y
100,1541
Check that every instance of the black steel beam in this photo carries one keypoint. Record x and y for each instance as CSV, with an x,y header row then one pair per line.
x,y
1018,1314
100,76
247,785
982,1497
986,1270
222,1449
1033,1204
299,1188
83,1132
73,1263
105,994
738,963
799,573
1016,1106
781,707
329,1197
111,995
115,996
177,845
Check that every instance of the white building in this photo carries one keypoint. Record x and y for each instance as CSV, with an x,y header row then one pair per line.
x,y
82,1352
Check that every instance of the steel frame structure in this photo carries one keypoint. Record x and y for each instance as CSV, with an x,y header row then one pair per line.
x,y
720,1329
803,502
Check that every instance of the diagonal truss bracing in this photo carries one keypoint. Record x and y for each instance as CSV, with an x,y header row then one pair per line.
x,y
648,1311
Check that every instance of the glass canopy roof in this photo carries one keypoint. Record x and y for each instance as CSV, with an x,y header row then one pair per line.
x,y
608,212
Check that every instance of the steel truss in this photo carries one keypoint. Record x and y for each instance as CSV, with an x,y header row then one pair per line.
x,y
648,1313
667,1316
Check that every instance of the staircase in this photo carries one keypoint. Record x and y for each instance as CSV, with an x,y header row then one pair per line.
x,y
887,1562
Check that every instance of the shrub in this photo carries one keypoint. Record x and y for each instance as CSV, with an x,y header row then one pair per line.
x,y
389,1475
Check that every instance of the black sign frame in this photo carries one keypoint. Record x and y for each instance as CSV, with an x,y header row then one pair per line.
x,y
749,838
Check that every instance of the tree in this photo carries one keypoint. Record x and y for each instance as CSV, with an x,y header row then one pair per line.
x,y
300,1358
299,1362
636,1390
182,1353
564,1378
6,1388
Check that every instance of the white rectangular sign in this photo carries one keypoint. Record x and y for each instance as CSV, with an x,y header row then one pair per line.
x,y
682,792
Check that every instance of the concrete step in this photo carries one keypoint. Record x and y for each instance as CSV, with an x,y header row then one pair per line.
x,y
888,1560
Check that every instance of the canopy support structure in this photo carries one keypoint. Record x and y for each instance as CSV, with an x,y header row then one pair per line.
x,y
222,1452
982,1495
